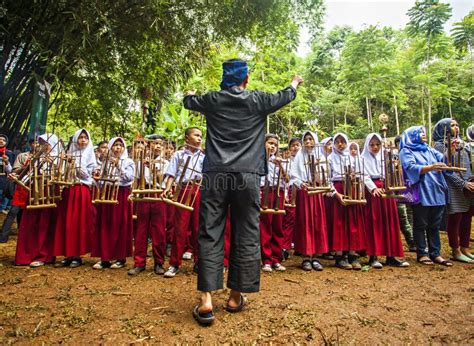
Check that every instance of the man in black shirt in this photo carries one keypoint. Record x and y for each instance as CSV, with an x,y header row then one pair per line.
x,y
234,162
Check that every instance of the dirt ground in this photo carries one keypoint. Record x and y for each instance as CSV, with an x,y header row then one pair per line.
x,y
419,304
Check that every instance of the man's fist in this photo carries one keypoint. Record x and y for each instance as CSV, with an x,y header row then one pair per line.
x,y
297,80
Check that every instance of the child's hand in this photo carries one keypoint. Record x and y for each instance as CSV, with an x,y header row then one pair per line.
x,y
377,192
167,193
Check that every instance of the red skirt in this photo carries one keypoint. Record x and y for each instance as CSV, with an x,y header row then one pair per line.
x,y
289,223
347,225
76,222
310,235
382,226
328,208
35,236
271,229
113,239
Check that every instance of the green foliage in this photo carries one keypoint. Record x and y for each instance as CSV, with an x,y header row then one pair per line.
x,y
427,18
109,60
98,55
463,33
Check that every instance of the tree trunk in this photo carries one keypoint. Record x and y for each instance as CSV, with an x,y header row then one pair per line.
x,y
396,114
423,106
369,115
429,116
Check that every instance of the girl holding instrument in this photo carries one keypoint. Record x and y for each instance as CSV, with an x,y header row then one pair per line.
x,y
114,223
347,220
381,214
310,235
76,214
289,218
34,245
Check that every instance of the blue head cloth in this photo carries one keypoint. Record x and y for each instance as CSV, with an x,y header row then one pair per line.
x,y
234,73
441,129
411,139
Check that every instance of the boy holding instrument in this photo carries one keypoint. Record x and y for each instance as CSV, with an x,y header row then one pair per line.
x,y
185,170
151,215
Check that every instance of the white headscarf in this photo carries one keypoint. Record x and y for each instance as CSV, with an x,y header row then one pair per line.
x,y
372,163
87,154
52,140
299,172
322,148
338,158
126,161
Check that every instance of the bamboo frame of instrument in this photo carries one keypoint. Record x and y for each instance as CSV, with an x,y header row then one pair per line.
x,y
106,185
192,187
143,190
276,178
319,179
65,174
448,141
292,203
41,190
391,172
353,185
186,201
106,193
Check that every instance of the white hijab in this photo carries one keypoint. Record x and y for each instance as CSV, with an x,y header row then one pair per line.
x,y
299,172
125,160
322,148
87,154
52,140
339,158
372,163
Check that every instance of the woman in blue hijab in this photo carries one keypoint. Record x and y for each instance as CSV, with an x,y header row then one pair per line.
x,y
423,166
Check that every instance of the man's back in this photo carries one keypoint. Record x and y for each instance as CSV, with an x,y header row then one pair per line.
x,y
236,126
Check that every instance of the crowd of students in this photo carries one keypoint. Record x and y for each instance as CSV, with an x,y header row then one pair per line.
x,y
318,225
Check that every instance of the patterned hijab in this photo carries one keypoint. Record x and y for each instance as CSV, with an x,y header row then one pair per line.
x,y
411,139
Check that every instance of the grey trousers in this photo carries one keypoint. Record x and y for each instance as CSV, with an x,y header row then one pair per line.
x,y
405,225
240,192
15,212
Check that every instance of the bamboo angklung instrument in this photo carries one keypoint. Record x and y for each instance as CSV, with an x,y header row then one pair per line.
x,y
392,172
191,186
147,185
43,193
64,172
449,141
291,189
353,183
106,184
318,178
273,207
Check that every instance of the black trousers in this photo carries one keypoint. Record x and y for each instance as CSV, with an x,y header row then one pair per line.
x,y
240,192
